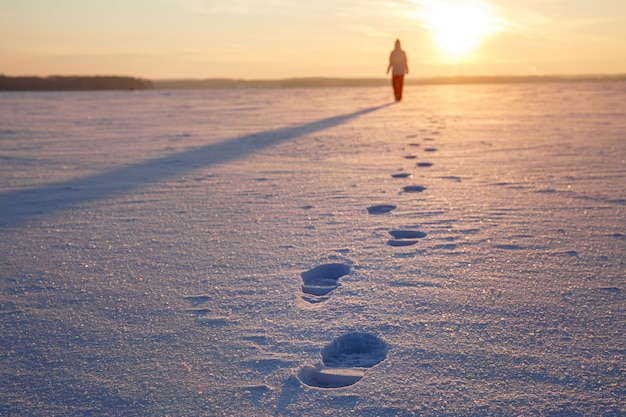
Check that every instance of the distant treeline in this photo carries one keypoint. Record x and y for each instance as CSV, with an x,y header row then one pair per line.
x,y
283,83
73,83
370,82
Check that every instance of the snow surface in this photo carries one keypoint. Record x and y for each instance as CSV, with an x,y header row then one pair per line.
x,y
314,252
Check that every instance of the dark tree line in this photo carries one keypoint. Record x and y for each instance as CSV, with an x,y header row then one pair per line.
x,y
77,83
371,82
73,83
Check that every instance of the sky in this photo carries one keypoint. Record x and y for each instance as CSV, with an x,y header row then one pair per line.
x,y
273,39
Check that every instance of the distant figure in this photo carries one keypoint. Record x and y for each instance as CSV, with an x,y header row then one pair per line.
x,y
398,61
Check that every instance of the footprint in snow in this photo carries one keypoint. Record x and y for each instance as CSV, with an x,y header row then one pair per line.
x,y
425,164
344,361
430,149
381,209
414,189
404,237
402,175
320,281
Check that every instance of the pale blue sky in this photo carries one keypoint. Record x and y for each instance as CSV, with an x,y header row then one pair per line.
x,y
280,38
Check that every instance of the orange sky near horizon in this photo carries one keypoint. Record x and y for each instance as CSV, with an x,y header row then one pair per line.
x,y
271,39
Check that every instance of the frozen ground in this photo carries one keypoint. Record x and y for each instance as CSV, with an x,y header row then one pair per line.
x,y
314,252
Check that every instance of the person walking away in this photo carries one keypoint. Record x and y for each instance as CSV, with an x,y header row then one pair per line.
x,y
399,66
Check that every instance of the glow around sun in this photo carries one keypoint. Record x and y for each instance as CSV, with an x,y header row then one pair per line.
x,y
457,28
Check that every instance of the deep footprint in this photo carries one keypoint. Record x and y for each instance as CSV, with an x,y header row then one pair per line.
x,y
425,164
407,234
381,209
402,175
405,237
343,361
320,281
413,189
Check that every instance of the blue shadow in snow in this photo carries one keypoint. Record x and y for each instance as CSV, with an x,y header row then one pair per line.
x,y
21,205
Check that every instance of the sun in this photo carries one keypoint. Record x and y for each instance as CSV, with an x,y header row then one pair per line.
x,y
457,28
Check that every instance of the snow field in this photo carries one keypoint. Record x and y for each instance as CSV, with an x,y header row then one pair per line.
x,y
314,252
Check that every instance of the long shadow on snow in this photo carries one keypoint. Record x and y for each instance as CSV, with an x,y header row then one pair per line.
x,y
21,205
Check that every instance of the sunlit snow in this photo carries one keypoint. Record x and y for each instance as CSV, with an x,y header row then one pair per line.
x,y
274,252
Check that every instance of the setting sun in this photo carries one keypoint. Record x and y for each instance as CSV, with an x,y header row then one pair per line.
x,y
252,39
458,28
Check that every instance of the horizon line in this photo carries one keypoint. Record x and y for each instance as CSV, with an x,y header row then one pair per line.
x,y
323,81
322,77
327,77
89,82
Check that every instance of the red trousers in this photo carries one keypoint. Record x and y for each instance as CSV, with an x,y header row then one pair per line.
x,y
397,81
